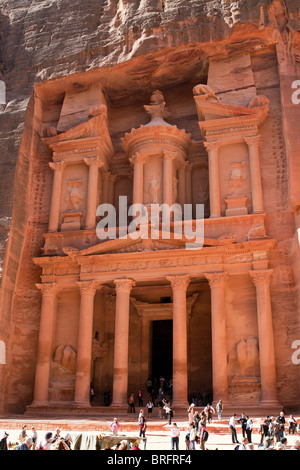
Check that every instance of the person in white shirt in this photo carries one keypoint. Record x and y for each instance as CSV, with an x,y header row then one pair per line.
x,y
249,428
175,433
233,430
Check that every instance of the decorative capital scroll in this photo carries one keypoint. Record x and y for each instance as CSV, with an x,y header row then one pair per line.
x,y
87,287
57,166
93,161
253,140
49,289
179,282
216,279
213,145
124,285
261,276
169,155
138,158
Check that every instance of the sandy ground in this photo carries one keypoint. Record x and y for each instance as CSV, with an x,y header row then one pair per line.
x,y
156,440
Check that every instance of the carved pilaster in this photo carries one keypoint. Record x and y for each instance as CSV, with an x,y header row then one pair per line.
x,y
214,177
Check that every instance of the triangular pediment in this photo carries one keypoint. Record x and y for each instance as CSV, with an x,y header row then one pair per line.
x,y
136,242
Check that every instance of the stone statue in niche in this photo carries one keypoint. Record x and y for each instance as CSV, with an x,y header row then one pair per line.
x,y
279,17
65,356
153,190
74,197
236,177
243,360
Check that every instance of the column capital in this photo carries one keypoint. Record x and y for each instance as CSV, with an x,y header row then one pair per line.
x,y
253,140
138,158
179,282
261,276
216,279
212,145
57,166
124,285
93,161
49,289
87,287
169,155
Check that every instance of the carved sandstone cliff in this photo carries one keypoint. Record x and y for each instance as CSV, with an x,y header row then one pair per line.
x,y
49,47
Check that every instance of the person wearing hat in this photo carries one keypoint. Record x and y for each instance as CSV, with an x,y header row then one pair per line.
x,y
3,441
46,442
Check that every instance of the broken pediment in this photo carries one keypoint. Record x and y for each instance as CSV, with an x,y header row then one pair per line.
x,y
214,115
88,137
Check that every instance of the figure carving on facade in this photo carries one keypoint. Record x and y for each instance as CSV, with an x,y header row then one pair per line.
x,y
206,92
285,33
65,356
153,190
244,359
74,196
236,178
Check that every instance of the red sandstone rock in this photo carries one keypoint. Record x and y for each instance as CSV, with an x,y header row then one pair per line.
x,y
90,54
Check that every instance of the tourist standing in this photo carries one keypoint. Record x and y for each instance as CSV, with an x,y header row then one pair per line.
x,y
114,427
191,410
292,424
219,409
140,398
131,403
243,422
233,429
150,405
175,433
192,436
142,426
203,436
281,422
249,429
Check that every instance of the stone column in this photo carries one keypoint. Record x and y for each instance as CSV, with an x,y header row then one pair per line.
x,y
262,281
168,158
180,356
120,379
58,168
182,184
47,322
105,187
138,178
111,189
84,347
92,193
189,186
214,178
219,337
255,173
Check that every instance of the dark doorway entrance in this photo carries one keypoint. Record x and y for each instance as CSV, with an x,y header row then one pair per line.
x,y
162,349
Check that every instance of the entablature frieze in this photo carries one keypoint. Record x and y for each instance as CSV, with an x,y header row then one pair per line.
x,y
235,259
